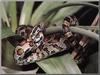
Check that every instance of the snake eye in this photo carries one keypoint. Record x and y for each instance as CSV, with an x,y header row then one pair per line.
x,y
19,51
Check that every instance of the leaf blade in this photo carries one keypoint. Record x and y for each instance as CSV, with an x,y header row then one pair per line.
x,y
59,65
12,15
38,15
26,13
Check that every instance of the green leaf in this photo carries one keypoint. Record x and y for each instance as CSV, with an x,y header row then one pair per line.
x,y
12,15
6,32
12,71
65,12
38,15
48,19
59,65
26,13
3,14
80,0
7,55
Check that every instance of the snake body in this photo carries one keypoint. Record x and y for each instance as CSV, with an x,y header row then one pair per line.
x,y
37,46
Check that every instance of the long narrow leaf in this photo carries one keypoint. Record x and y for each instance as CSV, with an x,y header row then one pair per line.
x,y
3,14
82,31
26,13
46,6
7,55
13,15
80,0
11,71
59,65
6,32
65,12
48,19
72,4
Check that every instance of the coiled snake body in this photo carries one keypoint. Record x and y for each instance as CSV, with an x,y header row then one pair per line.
x,y
37,46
